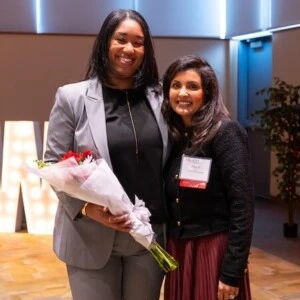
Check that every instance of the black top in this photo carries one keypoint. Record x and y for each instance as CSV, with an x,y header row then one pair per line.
x,y
225,205
135,147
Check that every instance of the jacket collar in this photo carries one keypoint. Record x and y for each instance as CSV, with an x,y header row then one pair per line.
x,y
95,89
96,114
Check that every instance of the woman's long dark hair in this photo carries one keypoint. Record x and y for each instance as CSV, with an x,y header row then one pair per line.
x,y
147,74
207,120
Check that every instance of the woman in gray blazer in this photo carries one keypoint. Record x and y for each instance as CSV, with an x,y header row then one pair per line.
x,y
115,112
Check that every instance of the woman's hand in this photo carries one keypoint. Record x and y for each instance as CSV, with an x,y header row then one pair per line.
x,y
227,292
102,215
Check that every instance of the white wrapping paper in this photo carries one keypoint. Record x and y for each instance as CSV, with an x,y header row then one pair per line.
x,y
94,182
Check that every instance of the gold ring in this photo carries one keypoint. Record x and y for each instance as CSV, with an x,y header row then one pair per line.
x,y
231,296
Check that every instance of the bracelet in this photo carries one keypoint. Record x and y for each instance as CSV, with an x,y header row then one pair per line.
x,y
83,210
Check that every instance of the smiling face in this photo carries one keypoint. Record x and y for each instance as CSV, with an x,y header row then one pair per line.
x,y
126,53
186,95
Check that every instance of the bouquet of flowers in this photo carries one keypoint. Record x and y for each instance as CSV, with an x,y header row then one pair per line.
x,y
82,177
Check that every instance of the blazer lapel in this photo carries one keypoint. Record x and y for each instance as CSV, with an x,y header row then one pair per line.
x,y
156,102
96,117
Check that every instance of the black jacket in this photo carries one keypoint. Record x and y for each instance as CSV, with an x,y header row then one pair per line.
x,y
225,205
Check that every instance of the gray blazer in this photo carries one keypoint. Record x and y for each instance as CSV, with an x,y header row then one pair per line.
x,y
77,122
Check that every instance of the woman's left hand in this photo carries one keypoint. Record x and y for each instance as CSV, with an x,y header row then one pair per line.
x,y
227,292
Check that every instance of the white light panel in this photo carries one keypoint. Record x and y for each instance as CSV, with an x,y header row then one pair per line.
x,y
39,200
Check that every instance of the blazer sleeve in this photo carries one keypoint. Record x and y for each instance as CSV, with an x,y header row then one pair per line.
x,y
60,139
233,159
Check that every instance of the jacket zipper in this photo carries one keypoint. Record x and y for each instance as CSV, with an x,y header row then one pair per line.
x,y
133,127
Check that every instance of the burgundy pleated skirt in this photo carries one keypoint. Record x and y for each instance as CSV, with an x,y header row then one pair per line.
x,y
197,276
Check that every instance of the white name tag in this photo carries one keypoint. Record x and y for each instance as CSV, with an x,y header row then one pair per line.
x,y
194,172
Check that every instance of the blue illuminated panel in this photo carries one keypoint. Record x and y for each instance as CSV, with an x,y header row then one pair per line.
x,y
284,13
192,18
77,16
244,17
17,16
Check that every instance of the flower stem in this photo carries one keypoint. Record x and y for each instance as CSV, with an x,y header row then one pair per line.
x,y
165,260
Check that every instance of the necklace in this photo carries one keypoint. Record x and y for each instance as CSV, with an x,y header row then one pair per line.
x,y
133,127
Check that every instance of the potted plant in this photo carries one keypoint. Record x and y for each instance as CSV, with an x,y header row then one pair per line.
x,y
280,121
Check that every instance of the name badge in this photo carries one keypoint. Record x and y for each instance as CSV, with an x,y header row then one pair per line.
x,y
194,172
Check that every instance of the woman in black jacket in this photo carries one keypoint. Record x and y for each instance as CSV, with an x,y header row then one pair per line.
x,y
209,188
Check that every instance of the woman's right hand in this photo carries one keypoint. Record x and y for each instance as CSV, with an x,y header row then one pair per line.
x,y
227,292
102,215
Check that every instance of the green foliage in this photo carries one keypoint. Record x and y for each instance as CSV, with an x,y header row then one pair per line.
x,y
280,122
41,164
164,259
